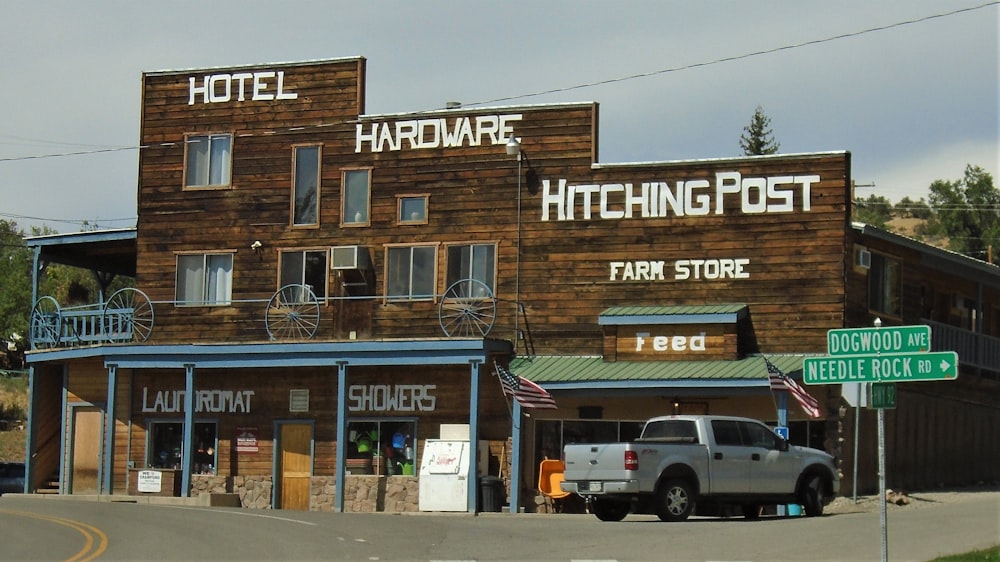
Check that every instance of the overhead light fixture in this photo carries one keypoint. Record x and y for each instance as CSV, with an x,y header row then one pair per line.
x,y
513,146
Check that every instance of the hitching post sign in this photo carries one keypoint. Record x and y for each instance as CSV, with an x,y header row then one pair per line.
x,y
861,341
899,367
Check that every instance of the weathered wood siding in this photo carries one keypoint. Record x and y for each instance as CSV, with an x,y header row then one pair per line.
x,y
794,259
270,403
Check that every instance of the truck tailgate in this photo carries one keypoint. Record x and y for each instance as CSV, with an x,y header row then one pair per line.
x,y
595,462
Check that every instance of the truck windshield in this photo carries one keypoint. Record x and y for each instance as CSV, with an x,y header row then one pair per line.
x,y
671,429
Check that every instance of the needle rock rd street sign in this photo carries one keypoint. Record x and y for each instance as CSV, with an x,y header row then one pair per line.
x,y
862,341
941,365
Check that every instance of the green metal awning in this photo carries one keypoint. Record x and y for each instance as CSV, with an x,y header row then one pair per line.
x,y
593,372
689,314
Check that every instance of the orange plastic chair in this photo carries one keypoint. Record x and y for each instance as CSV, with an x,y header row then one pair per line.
x,y
550,474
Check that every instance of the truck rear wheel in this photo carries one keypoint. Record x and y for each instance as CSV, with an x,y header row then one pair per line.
x,y
674,500
608,510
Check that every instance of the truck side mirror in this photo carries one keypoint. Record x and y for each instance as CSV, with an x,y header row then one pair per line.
x,y
782,445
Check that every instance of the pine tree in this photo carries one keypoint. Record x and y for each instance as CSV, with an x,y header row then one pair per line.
x,y
757,138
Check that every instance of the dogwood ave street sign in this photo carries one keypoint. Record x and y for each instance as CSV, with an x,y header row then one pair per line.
x,y
897,339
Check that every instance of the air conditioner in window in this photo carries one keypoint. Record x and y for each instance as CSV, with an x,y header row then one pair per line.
x,y
864,258
350,258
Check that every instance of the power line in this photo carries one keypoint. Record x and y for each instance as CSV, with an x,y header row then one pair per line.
x,y
300,129
740,57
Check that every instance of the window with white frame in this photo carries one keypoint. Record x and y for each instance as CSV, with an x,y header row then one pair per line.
x,y
305,267
204,279
885,285
472,262
207,160
305,185
410,272
356,198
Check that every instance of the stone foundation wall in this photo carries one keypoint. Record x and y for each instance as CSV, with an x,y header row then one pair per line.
x,y
363,494
254,491
367,494
206,484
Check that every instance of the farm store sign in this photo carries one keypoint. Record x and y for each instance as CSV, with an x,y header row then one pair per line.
x,y
693,269
683,198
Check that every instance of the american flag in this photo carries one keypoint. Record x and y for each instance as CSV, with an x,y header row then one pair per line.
x,y
527,393
781,381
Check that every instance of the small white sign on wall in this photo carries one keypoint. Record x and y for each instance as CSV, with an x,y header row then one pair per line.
x,y
149,481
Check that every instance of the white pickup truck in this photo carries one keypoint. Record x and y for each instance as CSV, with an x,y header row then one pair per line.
x,y
682,465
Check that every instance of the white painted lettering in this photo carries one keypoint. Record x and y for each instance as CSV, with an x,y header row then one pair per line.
x,y
415,134
695,197
391,398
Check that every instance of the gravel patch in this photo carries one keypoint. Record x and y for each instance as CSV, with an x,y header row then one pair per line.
x,y
905,500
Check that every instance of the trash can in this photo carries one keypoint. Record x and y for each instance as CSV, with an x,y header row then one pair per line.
x,y
491,494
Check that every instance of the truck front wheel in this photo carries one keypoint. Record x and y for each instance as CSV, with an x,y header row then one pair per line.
x,y
608,510
674,500
811,496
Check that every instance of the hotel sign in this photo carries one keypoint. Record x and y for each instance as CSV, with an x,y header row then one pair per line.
x,y
265,85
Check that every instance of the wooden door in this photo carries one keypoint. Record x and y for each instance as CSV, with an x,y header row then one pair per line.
x,y
296,465
88,426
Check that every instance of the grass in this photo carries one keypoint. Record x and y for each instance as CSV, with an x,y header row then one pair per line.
x,y
991,554
13,407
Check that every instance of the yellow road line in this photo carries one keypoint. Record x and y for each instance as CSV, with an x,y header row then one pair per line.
x,y
91,534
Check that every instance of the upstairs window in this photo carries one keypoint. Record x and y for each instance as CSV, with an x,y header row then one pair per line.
x,y
204,279
885,285
207,160
410,272
412,209
305,185
472,261
305,267
356,199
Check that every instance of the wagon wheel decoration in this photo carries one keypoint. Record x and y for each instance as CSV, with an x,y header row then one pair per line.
x,y
128,316
292,313
468,309
46,322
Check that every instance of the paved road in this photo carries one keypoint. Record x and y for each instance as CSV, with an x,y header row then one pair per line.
x,y
64,529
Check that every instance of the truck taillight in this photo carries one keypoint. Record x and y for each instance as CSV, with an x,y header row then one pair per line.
x,y
631,460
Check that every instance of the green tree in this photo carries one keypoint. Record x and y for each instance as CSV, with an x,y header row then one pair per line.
x,y
15,278
914,209
968,212
875,210
757,138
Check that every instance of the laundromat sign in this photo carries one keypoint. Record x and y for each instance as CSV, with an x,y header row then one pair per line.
x,y
214,401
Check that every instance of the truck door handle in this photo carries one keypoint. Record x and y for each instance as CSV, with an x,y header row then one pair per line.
x,y
755,457
717,456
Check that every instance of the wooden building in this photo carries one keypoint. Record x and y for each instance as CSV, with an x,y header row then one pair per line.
x,y
320,293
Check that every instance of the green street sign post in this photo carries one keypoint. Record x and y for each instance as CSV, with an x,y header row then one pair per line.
x,y
897,367
862,341
883,395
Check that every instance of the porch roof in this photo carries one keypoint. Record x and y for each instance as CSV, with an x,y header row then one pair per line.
x,y
110,251
432,351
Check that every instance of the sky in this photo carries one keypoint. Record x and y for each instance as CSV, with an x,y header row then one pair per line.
x,y
909,88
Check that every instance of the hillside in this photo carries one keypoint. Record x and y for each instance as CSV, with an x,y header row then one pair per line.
x,y
13,410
